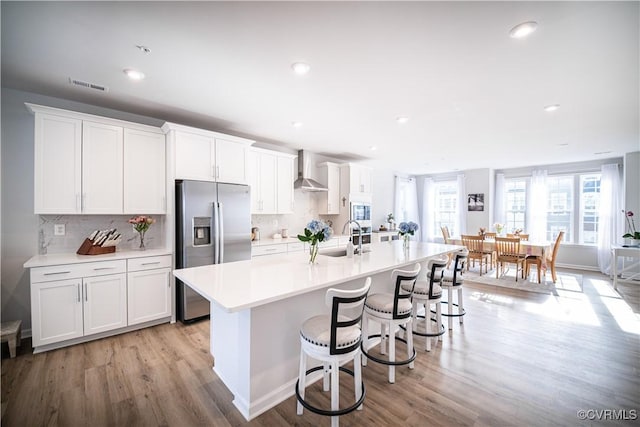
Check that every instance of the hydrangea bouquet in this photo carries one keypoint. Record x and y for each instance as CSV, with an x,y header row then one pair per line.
x,y
315,232
498,227
406,229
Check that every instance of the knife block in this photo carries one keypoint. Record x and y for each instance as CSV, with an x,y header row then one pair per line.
x,y
87,248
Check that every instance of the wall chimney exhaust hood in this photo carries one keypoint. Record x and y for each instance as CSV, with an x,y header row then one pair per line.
x,y
303,182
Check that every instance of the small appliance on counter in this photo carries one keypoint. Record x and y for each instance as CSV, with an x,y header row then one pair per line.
x,y
255,233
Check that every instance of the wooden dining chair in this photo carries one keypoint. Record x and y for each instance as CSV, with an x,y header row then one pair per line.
x,y
508,252
489,248
445,233
522,237
551,261
475,246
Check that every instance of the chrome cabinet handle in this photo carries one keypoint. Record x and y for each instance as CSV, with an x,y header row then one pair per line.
x,y
150,263
78,288
57,272
86,297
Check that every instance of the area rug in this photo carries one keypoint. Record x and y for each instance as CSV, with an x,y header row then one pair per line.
x,y
565,281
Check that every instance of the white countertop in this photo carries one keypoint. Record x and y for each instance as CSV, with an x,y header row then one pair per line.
x,y
240,285
72,258
290,239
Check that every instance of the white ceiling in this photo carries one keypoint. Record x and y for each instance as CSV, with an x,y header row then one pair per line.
x,y
474,95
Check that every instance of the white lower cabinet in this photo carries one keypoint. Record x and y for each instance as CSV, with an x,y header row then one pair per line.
x,y
149,289
104,303
71,301
56,311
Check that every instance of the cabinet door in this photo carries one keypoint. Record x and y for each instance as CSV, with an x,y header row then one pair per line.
x,y
268,184
56,311
144,172
333,195
58,165
253,172
149,295
284,188
105,303
195,156
366,177
102,154
231,162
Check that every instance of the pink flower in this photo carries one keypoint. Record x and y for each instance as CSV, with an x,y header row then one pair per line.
x,y
630,214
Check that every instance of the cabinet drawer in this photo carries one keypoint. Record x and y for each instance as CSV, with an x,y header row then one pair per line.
x,y
295,247
268,250
148,263
69,271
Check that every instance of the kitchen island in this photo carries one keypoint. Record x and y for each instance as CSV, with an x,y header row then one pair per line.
x,y
258,306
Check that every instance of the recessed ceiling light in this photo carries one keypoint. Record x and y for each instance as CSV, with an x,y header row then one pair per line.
x,y
552,107
134,74
563,144
402,119
300,68
373,148
296,124
523,30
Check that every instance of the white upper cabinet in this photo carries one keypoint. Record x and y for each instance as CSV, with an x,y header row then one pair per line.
x,y
208,156
271,179
58,164
144,172
356,178
284,187
102,157
87,164
330,201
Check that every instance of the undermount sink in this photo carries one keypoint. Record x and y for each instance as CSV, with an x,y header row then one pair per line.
x,y
338,252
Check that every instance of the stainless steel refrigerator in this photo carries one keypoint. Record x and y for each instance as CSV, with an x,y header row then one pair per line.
x,y
213,225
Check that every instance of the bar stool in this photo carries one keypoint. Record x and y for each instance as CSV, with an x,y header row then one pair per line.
x,y
333,339
453,280
391,311
426,293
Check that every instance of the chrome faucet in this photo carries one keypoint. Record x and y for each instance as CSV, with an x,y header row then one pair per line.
x,y
344,227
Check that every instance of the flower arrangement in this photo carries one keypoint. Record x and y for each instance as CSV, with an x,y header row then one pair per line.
x,y
517,231
498,227
141,224
315,232
631,225
406,229
482,231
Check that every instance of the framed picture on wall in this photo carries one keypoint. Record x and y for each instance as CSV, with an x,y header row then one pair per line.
x,y
475,202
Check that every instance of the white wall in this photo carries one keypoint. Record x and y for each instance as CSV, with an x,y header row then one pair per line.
x,y
478,181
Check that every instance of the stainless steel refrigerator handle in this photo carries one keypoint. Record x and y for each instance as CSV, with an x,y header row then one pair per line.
x,y
221,233
216,237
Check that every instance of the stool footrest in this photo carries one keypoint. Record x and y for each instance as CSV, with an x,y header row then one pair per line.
x,y
388,362
424,334
327,412
452,315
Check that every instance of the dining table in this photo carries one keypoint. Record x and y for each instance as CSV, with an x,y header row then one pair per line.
x,y
542,249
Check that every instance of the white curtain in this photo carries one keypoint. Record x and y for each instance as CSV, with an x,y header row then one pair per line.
x,y
462,205
427,222
537,206
499,208
406,201
610,216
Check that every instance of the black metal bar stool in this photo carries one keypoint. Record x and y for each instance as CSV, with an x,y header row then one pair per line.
x,y
333,339
391,311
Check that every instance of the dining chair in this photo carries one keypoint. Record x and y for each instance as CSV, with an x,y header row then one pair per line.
x,y
445,233
551,261
489,249
475,246
508,252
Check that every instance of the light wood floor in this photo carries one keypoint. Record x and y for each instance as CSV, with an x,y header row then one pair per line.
x,y
520,359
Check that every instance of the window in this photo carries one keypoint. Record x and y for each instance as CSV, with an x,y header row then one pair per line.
x,y
572,206
446,206
515,197
560,207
